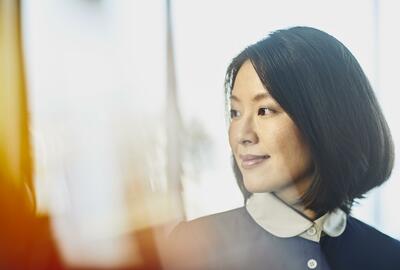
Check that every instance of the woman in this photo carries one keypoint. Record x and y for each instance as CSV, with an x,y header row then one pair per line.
x,y
308,138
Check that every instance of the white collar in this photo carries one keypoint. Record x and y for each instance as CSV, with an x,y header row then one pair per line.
x,y
283,221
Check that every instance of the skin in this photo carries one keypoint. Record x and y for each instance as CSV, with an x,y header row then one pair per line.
x,y
259,126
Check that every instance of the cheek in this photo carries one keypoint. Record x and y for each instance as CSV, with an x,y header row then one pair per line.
x,y
291,149
232,136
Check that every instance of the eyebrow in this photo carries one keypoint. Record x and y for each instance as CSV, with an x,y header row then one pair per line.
x,y
257,97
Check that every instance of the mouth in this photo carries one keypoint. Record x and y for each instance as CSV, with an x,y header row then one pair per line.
x,y
251,161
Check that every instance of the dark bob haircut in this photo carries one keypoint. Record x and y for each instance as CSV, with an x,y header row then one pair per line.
x,y
322,87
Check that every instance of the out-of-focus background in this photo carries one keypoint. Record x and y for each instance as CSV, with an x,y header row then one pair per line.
x,y
113,117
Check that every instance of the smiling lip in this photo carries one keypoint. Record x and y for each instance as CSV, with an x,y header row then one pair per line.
x,y
250,161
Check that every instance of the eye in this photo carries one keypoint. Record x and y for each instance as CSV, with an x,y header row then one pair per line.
x,y
234,113
265,111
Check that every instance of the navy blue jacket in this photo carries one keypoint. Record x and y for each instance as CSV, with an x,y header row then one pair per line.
x,y
233,240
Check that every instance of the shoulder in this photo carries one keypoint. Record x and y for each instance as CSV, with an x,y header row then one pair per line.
x,y
362,247
197,243
367,234
235,215
211,226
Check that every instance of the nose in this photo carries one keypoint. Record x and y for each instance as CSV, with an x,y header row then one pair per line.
x,y
247,134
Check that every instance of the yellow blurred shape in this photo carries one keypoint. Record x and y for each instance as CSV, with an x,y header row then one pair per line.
x,y
15,160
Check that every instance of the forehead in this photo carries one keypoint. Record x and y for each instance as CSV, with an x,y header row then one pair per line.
x,y
248,84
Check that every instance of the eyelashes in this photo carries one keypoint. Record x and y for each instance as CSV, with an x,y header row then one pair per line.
x,y
264,111
234,114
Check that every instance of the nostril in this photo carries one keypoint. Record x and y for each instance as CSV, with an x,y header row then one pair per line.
x,y
246,141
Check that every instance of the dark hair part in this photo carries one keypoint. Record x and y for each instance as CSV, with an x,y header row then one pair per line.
x,y
322,87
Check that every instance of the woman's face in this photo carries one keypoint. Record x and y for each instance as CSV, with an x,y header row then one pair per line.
x,y
268,147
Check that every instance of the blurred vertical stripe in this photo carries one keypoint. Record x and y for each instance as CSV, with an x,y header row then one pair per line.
x,y
15,154
25,241
174,123
174,127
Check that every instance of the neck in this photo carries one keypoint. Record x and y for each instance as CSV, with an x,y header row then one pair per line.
x,y
291,196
